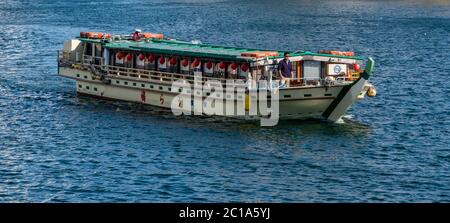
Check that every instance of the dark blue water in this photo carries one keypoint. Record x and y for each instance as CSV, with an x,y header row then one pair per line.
x,y
57,147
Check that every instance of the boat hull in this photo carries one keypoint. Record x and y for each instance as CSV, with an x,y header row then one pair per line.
x,y
294,103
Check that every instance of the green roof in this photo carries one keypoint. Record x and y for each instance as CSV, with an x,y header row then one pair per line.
x,y
182,48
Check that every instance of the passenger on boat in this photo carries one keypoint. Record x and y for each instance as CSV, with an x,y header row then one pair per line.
x,y
285,69
136,36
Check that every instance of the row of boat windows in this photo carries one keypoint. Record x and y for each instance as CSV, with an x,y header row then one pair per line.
x,y
87,87
144,85
151,86
207,94
305,95
226,72
133,84
215,71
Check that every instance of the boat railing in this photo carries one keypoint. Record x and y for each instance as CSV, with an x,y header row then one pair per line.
x,y
169,78
93,60
159,76
63,58
302,82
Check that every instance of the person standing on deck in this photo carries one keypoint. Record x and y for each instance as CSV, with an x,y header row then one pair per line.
x,y
285,69
136,36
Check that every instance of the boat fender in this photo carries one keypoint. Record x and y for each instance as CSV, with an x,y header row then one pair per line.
x,y
371,92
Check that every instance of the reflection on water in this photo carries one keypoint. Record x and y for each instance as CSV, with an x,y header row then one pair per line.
x,y
286,130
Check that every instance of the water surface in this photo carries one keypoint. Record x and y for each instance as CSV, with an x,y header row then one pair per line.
x,y
57,147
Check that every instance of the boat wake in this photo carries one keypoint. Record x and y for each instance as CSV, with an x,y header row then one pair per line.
x,y
341,120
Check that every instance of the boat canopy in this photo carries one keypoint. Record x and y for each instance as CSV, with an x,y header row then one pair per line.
x,y
188,49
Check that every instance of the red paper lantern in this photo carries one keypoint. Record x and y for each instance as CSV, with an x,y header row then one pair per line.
x,y
151,58
129,56
233,66
141,56
222,65
185,62
355,66
209,65
119,55
196,62
173,61
244,67
162,60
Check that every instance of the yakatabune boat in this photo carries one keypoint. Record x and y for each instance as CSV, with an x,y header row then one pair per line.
x,y
324,84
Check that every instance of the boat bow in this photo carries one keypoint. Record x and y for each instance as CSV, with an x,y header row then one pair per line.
x,y
349,94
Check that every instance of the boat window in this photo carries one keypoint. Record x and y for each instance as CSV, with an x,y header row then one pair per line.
x,y
256,73
172,66
118,58
232,73
220,70
98,53
296,66
140,60
264,72
243,71
185,66
271,70
208,68
162,63
150,62
111,58
129,62
311,70
98,50
88,49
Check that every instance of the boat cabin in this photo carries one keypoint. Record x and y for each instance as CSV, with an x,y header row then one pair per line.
x,y
159,55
